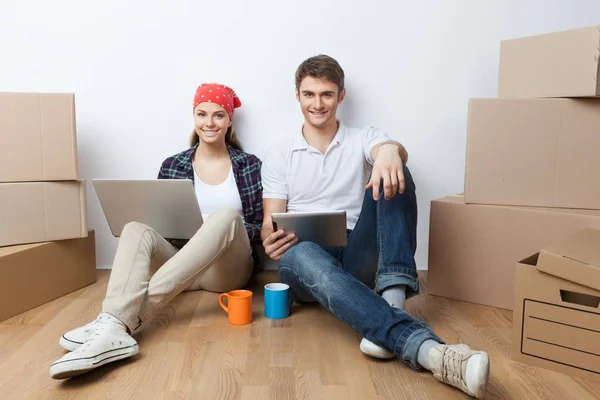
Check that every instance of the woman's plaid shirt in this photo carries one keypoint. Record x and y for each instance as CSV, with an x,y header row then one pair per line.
x,y
246,170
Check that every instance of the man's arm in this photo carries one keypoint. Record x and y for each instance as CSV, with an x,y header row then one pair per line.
x,y
275,243
401,150
271,206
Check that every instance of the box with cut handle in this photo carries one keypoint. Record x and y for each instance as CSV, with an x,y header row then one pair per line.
x,y
556,318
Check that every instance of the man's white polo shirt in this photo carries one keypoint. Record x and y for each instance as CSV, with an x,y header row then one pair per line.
x,y
311,181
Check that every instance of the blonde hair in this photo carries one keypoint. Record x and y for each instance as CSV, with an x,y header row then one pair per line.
x,y
230,138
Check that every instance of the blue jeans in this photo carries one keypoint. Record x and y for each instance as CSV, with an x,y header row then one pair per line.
x,y
379,254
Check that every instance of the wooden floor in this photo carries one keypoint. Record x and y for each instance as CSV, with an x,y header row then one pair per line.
x,y
190,351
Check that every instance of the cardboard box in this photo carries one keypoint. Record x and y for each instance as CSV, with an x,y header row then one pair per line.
x,y
558,64
473,249
34,274
556,321
37,137
533,152
576,259
42,211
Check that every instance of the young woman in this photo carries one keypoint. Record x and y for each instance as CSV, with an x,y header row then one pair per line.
x,y
149,271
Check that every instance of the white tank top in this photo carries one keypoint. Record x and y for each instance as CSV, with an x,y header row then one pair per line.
x,y
212,198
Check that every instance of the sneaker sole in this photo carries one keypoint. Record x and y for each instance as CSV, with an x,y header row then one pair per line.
x,y
70,368
68,344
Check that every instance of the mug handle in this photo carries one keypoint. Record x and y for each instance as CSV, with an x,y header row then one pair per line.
x,y
223,306
291,299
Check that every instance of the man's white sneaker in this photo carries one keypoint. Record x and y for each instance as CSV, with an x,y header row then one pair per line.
x,y
73,339
108,342
373,350
461,367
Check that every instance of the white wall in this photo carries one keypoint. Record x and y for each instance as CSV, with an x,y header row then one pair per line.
x,y
134,65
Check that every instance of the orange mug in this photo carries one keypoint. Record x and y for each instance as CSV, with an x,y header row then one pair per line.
x,y
239,306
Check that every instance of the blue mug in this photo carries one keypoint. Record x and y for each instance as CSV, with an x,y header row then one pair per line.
x,y
278,300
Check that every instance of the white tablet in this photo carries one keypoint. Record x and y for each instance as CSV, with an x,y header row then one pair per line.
x,y
325,228
169,206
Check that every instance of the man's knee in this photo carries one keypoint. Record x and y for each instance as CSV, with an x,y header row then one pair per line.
x,y
300,256
306,262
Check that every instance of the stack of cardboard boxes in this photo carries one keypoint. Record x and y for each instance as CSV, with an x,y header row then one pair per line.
x,y
532,180
46,250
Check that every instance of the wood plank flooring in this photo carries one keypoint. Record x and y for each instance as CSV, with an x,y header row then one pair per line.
x,y
191,352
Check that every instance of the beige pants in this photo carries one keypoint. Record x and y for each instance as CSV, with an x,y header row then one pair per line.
x,y
148,271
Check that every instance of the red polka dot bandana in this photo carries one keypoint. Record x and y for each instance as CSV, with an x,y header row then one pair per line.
x,y
218,94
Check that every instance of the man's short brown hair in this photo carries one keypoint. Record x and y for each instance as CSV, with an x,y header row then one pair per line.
x,y
321,66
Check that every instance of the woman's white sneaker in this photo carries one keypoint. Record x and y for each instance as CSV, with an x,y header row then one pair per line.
x,y
73,339
107,342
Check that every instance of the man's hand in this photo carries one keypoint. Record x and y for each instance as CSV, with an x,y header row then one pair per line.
x,y
277,243
389,167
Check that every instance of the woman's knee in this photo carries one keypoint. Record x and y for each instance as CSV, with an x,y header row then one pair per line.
x,y
224,276
140,236
226,214
224,220
134,229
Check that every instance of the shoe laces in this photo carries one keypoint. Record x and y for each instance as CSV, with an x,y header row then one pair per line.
x,y
452,367
94,328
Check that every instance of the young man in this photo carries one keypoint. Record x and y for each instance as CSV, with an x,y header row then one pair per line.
x,y
326,166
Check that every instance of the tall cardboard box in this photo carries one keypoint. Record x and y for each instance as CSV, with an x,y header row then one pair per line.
x,y
34,274
38,139
533,152
473,249
42,211
558,64
557,307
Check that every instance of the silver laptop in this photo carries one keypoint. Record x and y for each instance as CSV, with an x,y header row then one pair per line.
x,y
325,228
169,206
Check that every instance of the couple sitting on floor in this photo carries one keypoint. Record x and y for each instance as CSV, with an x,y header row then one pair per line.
x,y
325,165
